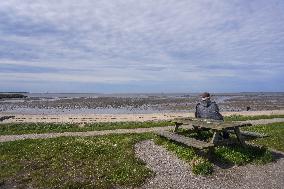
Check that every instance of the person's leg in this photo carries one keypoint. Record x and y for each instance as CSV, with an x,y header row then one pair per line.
x,y
225,134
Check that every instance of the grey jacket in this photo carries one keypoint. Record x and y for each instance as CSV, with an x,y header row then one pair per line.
x,y
209,110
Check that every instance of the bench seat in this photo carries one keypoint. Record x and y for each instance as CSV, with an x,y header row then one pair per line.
x,y
251,134
185,140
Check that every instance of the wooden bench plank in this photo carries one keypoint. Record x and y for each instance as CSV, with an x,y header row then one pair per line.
x,y
210,124
185,140
251,134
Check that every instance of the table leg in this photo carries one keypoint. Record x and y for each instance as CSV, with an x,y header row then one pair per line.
x,y
177,126
216,137
239,136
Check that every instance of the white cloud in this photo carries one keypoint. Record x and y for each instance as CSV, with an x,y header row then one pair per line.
x,y
130,40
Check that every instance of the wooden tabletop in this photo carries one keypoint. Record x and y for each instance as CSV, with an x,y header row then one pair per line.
x,y
209,123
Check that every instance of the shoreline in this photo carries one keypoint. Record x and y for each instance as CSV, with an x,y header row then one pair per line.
x,y
95,118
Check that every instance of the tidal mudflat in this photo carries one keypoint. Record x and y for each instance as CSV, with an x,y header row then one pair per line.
x,y
54,104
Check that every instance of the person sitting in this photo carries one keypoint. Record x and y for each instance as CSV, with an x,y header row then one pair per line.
x,y
209,110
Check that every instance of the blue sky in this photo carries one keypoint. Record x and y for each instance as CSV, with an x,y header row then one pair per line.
x,y
141,46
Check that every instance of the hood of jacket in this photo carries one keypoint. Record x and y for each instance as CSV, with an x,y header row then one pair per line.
x,y
205,103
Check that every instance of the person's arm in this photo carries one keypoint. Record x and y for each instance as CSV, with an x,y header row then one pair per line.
x,y
217,111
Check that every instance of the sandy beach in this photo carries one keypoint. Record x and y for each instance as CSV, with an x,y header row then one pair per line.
x,y
93,118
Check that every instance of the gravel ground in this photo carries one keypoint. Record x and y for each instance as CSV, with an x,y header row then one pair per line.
x,y
172,172
7,138
265,121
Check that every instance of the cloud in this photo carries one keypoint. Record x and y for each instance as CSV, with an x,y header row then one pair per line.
x,y
127,41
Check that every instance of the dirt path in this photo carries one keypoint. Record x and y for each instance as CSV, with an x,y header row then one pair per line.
x,y
264,121
6,138
171,172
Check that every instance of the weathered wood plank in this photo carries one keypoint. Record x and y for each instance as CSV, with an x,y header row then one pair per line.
x,y
185,140
210,124
251,134
239,136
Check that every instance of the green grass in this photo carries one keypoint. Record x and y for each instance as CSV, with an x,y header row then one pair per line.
x,y
102,162
239,155
245,118
275,132
27,128
73,162
109,161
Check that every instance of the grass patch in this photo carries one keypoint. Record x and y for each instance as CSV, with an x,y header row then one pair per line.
x,y
239,155
73,162
27,128
245,118
109,161
275,132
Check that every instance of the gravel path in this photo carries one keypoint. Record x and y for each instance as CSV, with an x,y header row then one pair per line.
x,y
265,121
6,138
174,173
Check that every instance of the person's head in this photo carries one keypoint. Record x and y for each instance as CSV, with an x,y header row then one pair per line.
x,y
205,96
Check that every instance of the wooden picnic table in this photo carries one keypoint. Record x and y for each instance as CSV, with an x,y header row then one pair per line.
x,y
216,126
198,125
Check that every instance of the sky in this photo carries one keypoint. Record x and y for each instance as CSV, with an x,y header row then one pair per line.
x,y
131,46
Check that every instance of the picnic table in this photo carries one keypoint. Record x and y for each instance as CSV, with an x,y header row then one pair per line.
x,y
217,127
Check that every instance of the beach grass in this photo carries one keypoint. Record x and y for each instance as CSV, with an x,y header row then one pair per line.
x,y
245,118
73,162
275,138
28,128
109,161
238,155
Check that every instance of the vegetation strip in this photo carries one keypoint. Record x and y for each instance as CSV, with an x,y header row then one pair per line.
x,y
28,128
73,162
275,132
109,161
